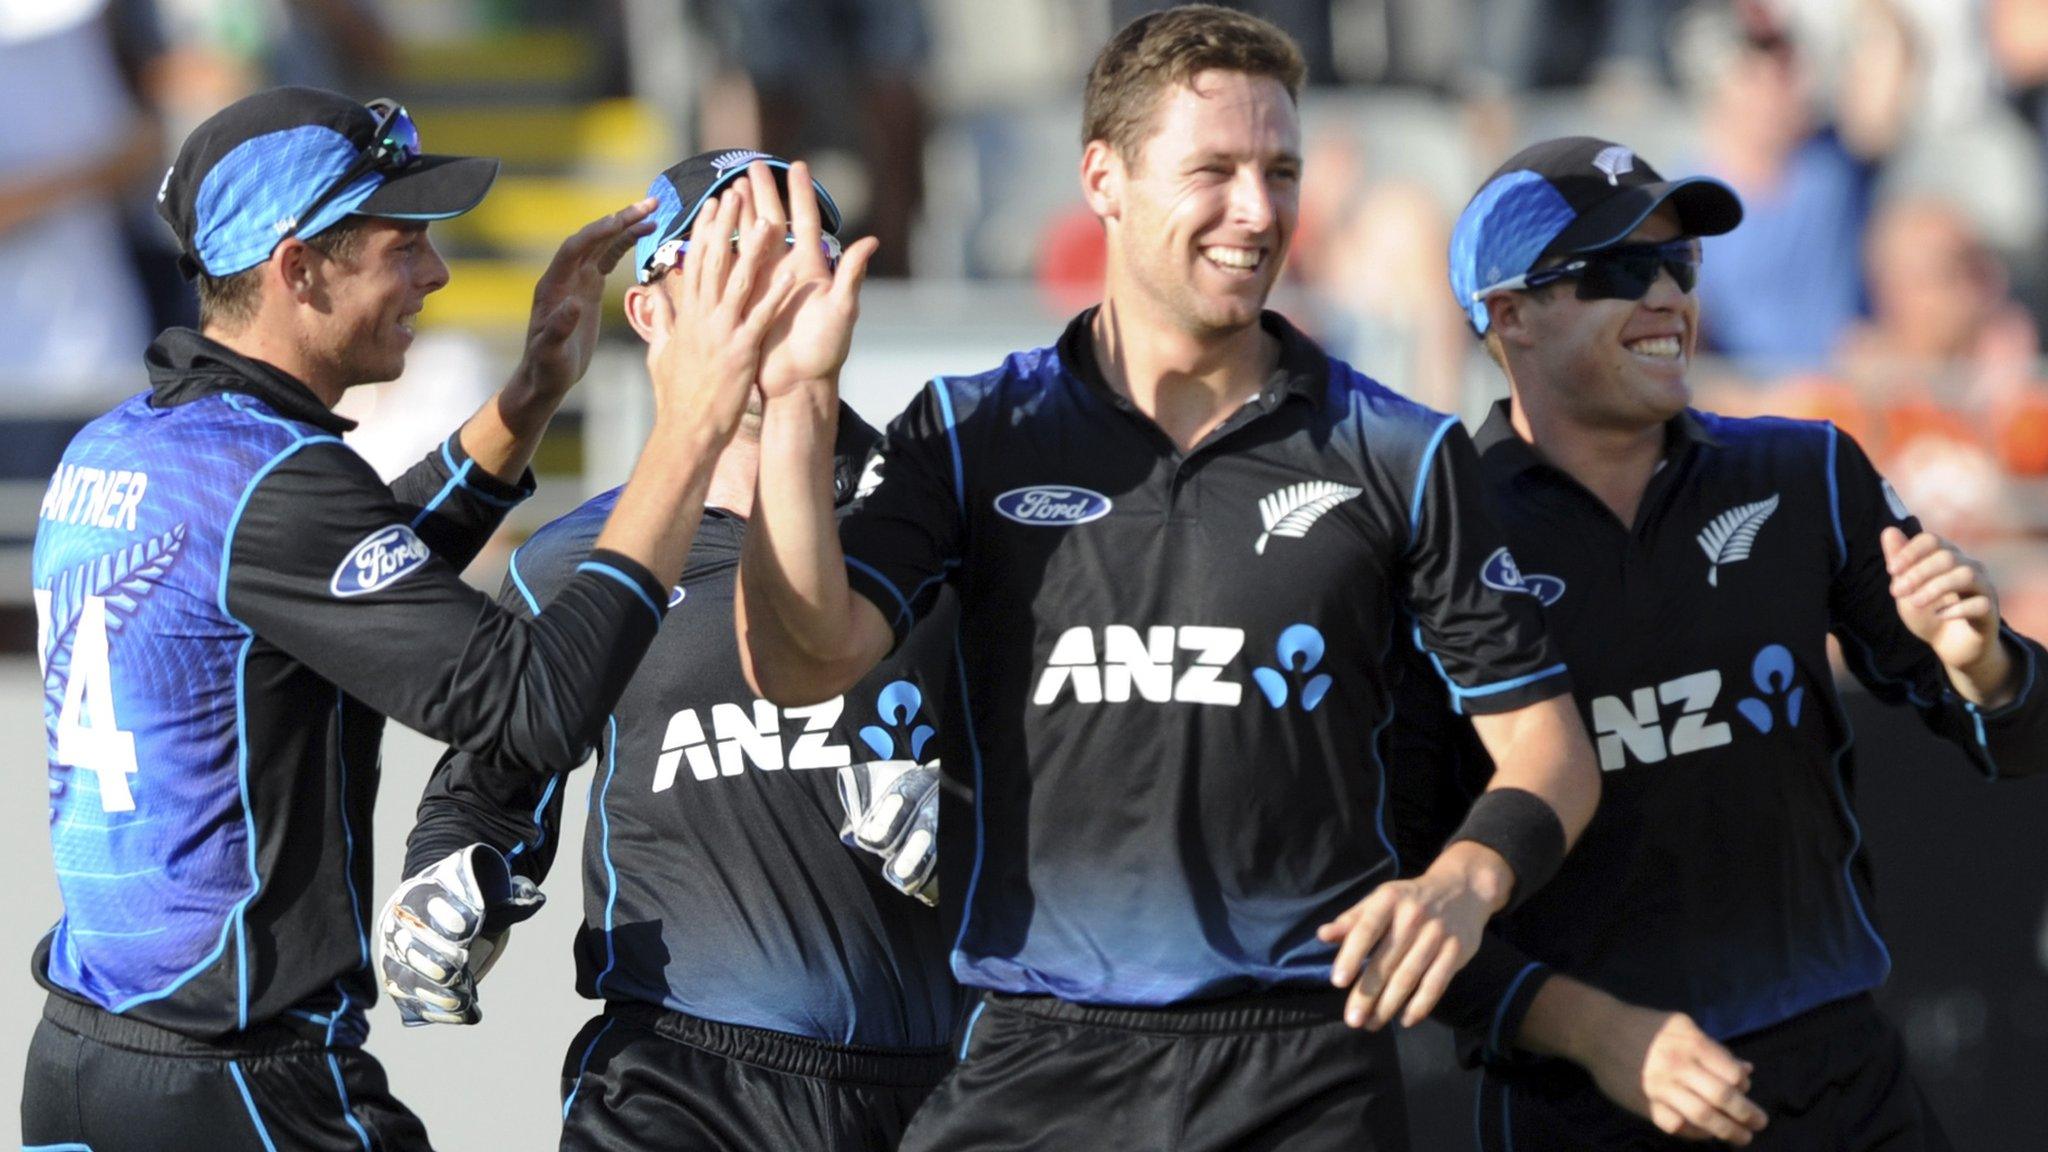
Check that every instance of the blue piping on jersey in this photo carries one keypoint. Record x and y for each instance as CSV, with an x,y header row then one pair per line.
x,y
1379,813
603,569
953,441
519,582
241,403
455,480
945,569
56,1148
1877,673
581,1065
1460,695
980,822
1500,1014
1855,846
348,1111
1507,1120
611,874
1479,1112
1835,503
1422,478
1557,669
870,571
540,831
348,834
249,1102
967,1034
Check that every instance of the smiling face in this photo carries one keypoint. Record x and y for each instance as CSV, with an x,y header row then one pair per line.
x,y
373,297
1608,363
1199,220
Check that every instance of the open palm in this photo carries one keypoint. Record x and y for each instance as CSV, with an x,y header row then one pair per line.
x,y
811,334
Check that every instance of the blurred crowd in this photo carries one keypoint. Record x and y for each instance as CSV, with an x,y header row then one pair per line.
x,y
1892,154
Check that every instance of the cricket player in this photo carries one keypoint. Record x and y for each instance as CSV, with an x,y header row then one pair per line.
x,y
1706,957
1184,540
231,603
764,985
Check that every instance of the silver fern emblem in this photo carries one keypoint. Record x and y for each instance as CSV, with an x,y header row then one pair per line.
x,y
1615,162
1729,537
1293,510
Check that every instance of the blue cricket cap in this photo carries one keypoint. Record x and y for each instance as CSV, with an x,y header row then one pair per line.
x,y
1574,194
243,176
682,190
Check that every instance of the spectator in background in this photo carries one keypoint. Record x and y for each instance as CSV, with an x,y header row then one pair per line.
x,y
65,335
1941,308
2019,45
780,63
1374,282
1787,284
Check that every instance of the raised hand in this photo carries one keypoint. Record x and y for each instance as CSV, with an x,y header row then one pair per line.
x,y
706,321
561,333
810,336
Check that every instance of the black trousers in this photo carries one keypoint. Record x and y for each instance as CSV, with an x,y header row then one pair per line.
x,y
104,1083
1833,1079
1277,1072
639,1077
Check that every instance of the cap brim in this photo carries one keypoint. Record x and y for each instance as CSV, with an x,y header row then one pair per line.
x,y
1706,207
828,209
432,188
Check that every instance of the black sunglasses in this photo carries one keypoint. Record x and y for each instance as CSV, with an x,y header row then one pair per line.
x,y
394,143
1623,272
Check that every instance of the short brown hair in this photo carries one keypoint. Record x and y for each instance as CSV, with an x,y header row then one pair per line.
x,y
228,302
1162,50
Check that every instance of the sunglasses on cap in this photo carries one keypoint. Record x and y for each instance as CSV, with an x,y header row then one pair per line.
x,y
394,143
670,255
1622,272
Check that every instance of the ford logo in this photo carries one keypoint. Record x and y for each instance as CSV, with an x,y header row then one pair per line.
x,y
1052,505
383,557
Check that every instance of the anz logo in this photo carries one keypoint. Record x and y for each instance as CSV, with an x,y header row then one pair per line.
x,y
738,736
1633,730
1182,664
1121,661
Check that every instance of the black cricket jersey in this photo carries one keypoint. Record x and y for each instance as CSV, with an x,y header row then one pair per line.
x,y
1171,661
714,880
230,603
1724,874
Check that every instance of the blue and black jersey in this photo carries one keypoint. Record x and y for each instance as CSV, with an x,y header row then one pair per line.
x,y
1724,875
230,602
1171,691
714,880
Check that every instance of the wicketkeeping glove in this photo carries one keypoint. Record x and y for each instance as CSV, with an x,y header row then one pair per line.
x,y
892,810
429,943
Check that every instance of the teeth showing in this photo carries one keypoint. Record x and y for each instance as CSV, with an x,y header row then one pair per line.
x,y
1244,258
1662,347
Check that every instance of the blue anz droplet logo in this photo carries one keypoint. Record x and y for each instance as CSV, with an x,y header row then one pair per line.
x,y
1772,672
898,706
1300,650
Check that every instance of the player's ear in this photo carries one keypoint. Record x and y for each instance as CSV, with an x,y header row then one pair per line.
x,y
294,267
1102,179
639,304
1508,318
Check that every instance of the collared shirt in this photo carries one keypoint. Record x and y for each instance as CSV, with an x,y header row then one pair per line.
x,y
231,603
714,881
1724,873
1171,660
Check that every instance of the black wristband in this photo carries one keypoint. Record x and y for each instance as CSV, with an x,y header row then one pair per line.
x,y
1524,830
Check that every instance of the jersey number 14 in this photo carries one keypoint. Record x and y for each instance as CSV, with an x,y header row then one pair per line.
x,y
89,736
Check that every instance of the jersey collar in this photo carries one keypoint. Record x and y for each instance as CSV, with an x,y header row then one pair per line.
x,y
1303,370
185,366
1503,450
